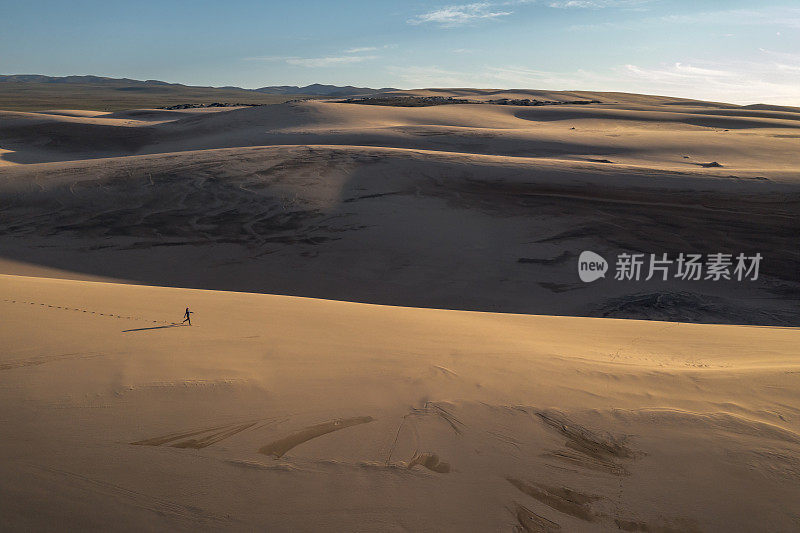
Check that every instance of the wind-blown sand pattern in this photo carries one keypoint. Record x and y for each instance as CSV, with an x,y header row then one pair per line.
x,y
303,413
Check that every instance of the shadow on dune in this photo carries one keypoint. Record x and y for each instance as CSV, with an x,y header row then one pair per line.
x,y
408,208
36,141
419,230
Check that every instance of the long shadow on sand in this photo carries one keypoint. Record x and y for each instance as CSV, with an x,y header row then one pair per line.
x,y
155,327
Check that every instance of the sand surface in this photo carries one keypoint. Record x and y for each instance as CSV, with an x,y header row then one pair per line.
x,y
285,413
295,402
336,200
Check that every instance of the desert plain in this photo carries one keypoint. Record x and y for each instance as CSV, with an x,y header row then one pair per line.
x,y
389,332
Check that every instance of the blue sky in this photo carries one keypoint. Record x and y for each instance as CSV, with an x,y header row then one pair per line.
x,y
732,50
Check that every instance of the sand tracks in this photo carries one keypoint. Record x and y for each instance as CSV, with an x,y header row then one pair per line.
x,y
43,359
586,448
578,505
279,447
202,438
197,439
569,471
162,323
531,522
561,499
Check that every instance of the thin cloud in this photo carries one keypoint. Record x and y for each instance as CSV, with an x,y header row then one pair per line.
x,y
777,17
596,4
328,61
268,58
679,71
783,61
459,15
362,49
463,14
773,16
429,76
349,56
739,82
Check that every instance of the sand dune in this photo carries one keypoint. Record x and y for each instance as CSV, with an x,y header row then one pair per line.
x,y
332,200
288,413
448,409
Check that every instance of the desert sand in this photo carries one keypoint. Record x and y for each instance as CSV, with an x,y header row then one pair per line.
x,y
335,200
285,413
389,331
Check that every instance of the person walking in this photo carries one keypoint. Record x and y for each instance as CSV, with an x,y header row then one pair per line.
x,y
187,316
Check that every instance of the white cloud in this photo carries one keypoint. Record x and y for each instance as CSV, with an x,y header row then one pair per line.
x,y
458,15
268,58
740,82
679,72
327,61
360,50
782,60
566,4
349,56
777,17
768,16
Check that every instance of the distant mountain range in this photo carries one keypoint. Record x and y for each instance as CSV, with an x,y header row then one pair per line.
x,y
315,89
83,80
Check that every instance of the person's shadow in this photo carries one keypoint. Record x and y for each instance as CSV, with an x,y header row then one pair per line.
x,y
155,327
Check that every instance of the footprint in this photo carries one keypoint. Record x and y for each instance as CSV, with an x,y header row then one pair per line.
x,y
279,447
42,359
431,462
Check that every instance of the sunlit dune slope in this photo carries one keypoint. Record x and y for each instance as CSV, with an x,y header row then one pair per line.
x,y
300,414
